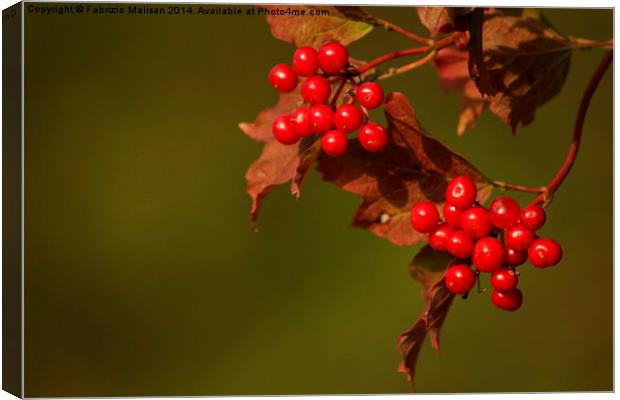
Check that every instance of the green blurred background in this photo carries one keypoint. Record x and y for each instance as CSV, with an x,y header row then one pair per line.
x,y
143,276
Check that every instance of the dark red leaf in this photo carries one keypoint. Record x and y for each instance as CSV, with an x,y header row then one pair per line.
x,y
441,19
277,163
524,65
413,167
314,30
429,323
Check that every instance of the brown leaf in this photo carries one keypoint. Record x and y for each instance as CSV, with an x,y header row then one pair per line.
x,y
429,323
412,167
277,163
441,19
427,267
525,64
314,30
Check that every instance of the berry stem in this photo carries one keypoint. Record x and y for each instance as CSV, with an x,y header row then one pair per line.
x,y
545,197
440,44
341,86
518,188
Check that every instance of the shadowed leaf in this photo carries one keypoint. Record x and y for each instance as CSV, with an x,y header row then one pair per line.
x,y
412,167
314,30
524,65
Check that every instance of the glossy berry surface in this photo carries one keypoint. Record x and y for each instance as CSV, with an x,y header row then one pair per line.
x,y
488,254
348,117
333,57
504,212
437,237
461,192
544,253
321,118
283,78
372,137
510,300
369,95
284,130
519,237
424,216
459,279
452,215
306,61
533,217
515,258
475,222
460,245
334,143
301,121
504,279
316,90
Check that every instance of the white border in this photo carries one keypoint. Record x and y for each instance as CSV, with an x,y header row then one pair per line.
x,y
522,3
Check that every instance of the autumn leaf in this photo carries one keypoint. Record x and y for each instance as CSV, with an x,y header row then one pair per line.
x,y
277,163
441,19
314,30
413,167
524,65
426,267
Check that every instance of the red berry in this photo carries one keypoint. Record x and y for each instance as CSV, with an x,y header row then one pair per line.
x,y
316,90
306,61
322,118
504,212
438,237
515,258
519,237
488,254
334,143
424,216
510,300
283,78
533,217
301,121
544,253
504,279
475,222
284,130
461,192
459,279
373,137
460,245
348,117
369,95
333,57
452,215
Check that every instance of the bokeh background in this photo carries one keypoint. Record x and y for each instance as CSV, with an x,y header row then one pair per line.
x,y
143,276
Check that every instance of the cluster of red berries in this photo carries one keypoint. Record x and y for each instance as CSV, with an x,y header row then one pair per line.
x,y
318,117
470,233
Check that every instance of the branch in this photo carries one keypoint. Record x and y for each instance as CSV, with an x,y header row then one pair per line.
x,y
405,68
555,183
391,26
440,44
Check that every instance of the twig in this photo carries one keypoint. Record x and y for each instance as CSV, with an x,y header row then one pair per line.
x,y
545,198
